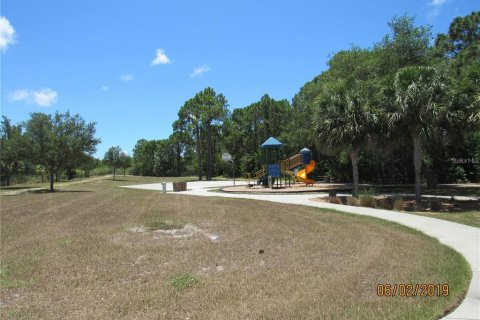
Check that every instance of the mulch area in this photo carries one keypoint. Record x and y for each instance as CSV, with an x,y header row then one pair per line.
x,y
407,203
294,188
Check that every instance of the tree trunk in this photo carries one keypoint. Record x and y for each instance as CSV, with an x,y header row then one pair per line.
x,y
256,145
209,153
113,172
178,161
199,154
417,162
124,171
214,152
52,178
354,158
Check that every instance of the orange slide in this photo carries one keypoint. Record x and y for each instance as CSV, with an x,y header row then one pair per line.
x,y
302,174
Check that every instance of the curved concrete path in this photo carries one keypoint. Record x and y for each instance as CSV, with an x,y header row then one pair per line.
x,y
462,238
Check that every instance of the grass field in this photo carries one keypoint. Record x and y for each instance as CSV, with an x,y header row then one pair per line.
x,y
65,183
95,251
470,218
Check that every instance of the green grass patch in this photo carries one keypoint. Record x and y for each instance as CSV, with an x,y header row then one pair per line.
x,y
469,218
13,314
8,278
160,223
68,241
184,281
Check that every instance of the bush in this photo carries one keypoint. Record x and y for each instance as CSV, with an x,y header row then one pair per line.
x,y
384,202
70,173
335,200
435,205
352,201
398,204
457,174
367,201
101,171
25,178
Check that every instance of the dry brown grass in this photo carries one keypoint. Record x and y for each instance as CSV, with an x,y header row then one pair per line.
x,y
77,255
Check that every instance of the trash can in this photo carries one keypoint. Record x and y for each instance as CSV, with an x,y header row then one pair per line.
x,y
179,186
164,187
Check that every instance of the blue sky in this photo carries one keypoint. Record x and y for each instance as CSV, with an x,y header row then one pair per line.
x,y
130,65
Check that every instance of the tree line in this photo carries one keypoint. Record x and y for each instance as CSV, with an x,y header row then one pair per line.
x,y
404,110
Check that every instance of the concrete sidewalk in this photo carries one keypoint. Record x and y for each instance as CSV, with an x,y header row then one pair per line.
x,y
462,238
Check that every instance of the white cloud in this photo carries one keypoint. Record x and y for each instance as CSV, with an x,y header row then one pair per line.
x,y
7,34
42,97
45,97
126,77
435,6
199,71
104,88
161,58
437,2
19,95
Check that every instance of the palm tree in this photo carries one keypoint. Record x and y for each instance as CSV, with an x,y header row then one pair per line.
x,y
344,121
419,92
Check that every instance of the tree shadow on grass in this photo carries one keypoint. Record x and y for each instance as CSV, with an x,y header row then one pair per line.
x,y
57,191
15,188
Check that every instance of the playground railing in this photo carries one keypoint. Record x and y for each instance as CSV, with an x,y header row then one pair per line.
x,y
325,179
260,173
295,161
291,174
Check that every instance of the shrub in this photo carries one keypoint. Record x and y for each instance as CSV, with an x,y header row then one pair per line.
x,y
70,173
352,201
335,200
367,201
384,202
435,205
101,170
398,204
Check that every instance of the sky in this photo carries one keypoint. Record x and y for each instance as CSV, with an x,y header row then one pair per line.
x,y
130,65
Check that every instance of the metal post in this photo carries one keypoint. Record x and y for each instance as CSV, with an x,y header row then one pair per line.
x,y
164,187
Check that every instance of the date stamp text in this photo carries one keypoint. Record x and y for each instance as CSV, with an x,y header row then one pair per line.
x,y
412,290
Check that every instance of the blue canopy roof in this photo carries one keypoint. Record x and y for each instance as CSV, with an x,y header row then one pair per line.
x,y
271,143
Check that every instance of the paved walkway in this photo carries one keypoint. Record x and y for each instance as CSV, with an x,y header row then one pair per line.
x,y
462,238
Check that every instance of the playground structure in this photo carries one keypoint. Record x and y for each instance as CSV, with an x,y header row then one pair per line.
x,y
282,172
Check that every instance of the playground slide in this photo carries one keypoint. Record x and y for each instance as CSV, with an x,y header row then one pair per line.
x,y
302,174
